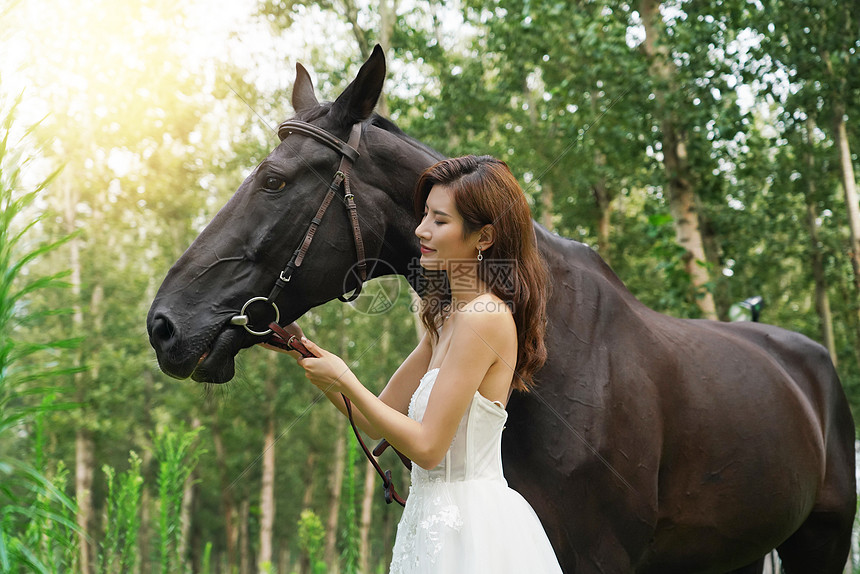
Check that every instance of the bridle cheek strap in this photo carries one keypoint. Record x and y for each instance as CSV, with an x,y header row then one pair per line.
x,y
353,216
341,178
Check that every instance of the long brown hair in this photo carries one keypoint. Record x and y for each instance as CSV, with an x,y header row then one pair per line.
x,y
486,192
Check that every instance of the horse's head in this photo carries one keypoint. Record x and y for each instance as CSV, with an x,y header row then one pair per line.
x,y
206,311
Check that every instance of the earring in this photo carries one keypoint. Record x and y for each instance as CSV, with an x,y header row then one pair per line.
x,y
480,256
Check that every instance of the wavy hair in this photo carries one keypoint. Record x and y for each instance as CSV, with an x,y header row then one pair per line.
x,y
486,192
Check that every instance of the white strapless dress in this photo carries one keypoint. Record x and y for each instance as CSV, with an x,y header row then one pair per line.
x,y
461,517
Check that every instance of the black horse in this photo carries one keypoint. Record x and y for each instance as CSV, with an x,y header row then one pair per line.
x,y
651,445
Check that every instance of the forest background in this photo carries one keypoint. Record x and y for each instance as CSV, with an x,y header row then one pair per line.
x,y
706,149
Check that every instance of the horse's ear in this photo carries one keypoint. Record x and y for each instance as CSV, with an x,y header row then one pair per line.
x,y
303,91
357,101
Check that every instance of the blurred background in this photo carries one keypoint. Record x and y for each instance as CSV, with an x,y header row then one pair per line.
x,y
707,150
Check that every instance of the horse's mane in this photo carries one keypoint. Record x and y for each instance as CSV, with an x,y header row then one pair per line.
x,y
387,125
313,113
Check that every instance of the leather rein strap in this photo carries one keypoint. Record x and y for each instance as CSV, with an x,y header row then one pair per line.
x,y
289,342
387,484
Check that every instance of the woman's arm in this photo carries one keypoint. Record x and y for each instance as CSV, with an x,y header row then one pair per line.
x,y
396,394
470,355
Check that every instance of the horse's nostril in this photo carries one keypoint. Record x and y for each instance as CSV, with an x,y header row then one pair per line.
x,y
163,329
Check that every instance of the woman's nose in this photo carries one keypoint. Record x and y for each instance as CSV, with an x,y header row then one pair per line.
x,y
421,230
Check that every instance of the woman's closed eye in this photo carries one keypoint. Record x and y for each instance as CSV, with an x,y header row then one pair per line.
x,y
436,221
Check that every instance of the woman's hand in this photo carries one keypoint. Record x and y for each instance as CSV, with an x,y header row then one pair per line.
x,y
293,329
325,370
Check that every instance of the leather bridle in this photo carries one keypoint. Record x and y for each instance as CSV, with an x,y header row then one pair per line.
x,y
348,155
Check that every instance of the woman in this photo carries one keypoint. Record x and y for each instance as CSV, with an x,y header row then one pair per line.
x,y
484,313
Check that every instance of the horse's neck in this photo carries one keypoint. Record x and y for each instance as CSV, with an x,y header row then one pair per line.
x,y
405,159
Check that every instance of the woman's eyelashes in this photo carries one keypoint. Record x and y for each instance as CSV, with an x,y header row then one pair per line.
x,y
436,221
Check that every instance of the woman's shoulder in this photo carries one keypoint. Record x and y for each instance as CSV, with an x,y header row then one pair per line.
x,y
487,312
489,304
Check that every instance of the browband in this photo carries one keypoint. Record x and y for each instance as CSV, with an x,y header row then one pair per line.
x,y
322,136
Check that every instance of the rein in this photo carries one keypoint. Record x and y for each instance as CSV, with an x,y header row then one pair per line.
x,y
280,338
289,342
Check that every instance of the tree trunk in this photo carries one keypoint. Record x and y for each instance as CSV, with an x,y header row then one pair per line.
x,y
244,546
682,196
602,197
388,531
349,10
284,559
228,508
603,200
370,478
849,187
185,518
83,438
83,494
334,496
267,488
846,167
310,465
713,255
547,200
387,10
846,173
822,299
387,17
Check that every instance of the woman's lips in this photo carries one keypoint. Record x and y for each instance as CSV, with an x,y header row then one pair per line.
x,y
426,250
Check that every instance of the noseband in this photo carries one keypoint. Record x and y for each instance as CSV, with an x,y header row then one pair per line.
x,y
348,155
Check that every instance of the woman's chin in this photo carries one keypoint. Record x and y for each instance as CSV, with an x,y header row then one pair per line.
x,y
427,261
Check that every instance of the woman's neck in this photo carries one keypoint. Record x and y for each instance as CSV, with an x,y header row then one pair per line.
x,y
465,290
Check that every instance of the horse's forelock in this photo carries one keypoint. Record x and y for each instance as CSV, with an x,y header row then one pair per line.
x,y
312,114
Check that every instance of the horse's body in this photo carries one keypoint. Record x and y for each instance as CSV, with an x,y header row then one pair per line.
x,y
651,445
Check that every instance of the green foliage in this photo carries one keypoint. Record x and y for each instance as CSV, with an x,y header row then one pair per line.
x,y
205,565
52,535
35,525
349,534
311,534
177,457
122,518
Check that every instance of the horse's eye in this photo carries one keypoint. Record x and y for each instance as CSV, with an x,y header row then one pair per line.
x,y
274,184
